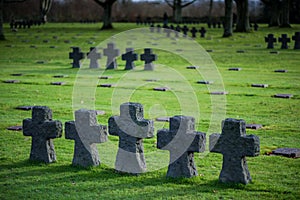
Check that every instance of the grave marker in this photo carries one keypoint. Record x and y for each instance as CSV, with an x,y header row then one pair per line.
x,y
163,89
270,40
76,55
181,140
131,127
205,82
285,96
111,52
235,69
148,57
11,81
43,130
194,32
281,70
260,85
86,132
284,41
94,55
130,57
296,38
235,145
254,126
202,32
287,152
185,29
14,128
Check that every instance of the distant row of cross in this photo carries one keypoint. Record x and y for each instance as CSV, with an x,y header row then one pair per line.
x,y
178,29
111,52
181,140
284,39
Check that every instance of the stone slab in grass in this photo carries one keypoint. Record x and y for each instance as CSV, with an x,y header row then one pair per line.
x,y
14,128
219,93
205,82
274,52
16,74
254,126
33,46
163,89
240,51
58,83
100,112
24,107
61,76
106,85
151,80
41,62
11,81
287,152
235,69
209,50
162,119
67,41
192,67
260,85
105,77
285,96
53,47
281,70
9,45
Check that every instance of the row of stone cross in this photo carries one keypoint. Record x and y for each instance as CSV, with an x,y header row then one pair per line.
x,y
181,140
284,39
112,53
176,30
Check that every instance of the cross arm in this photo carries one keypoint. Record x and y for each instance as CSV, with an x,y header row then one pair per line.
x,y
27,127
198,143
70,130
113,128
52,129
163,138
214,144
251,145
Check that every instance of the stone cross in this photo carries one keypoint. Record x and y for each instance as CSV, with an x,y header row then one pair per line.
x,y
177,30
111,52
202,32
194,32
130,57
168,31
296,37
152,28
76,55
235,145
182,141
131,127
85,131
185,29
255,27
270,40
93,55
148,57
42,129
284,41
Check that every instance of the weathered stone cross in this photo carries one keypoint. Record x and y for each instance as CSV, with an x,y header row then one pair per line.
x,y
235,146
182,141
93,55
284,41
296,37
85,131
194,32
76,55
270,40
42,130
148,57
130,57
131,127
111,52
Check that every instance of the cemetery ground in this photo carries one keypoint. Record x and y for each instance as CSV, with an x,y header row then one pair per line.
x,y
28,52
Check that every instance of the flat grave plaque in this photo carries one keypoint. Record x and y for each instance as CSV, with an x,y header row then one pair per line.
x,y
58,83
254,126
60,76
219,93
287,152
286,96
281,70
192,67
163,89
24,107
106,85
14,128
162,119
11,81
260,85
235,69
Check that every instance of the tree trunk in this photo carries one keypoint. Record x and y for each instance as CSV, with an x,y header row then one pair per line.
x,y
228,19
177,11
1,20
107,22
274,17
285,15
45,6
242,16
210,10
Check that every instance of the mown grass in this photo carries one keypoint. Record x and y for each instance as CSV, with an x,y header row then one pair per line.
x,y
273,177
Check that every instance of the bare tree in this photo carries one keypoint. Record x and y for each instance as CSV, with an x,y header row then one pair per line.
x,y
45,6
107,6
242,16
285,14
177,6
228,18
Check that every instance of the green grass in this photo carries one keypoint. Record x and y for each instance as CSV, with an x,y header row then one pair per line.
x,y
273,177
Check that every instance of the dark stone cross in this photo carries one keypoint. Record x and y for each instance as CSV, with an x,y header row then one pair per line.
x,y
42,129
255,27
185,29
270,40
296,37
131,127
182,141
130,57
235,145
93,55
177,30
76,55
148,57
194,32
85,131
202,32
284,41
111,52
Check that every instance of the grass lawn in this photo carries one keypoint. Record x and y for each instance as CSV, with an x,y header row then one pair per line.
x,y
274,177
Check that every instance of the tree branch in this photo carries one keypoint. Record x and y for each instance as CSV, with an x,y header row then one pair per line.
x,y
169,4
188,3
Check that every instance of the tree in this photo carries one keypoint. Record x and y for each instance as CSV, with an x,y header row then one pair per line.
x,y
45,6
285,15
177,6
2,37
107,6
210,10
228,19
242,16
278,12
